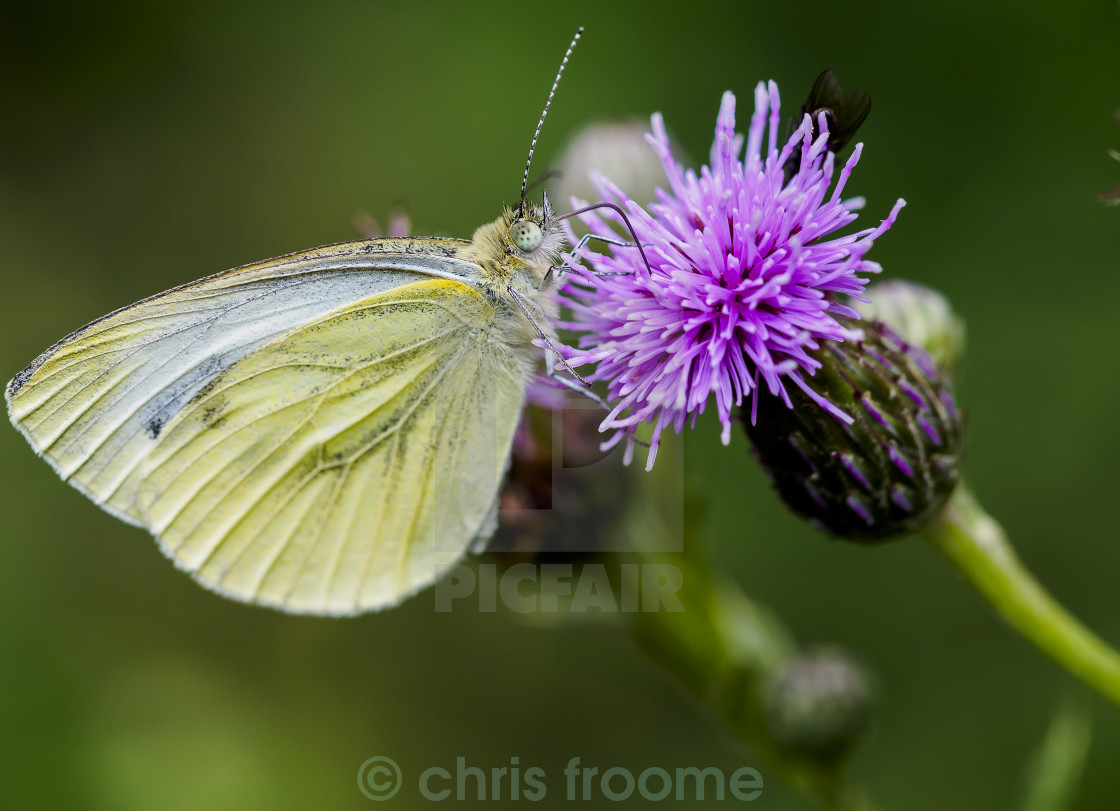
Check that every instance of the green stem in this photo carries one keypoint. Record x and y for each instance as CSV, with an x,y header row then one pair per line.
x,y
723,647
977,545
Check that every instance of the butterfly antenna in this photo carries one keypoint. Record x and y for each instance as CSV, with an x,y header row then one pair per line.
x,y
532,146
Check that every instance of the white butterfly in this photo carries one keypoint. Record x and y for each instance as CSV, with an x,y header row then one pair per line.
x,y
325,432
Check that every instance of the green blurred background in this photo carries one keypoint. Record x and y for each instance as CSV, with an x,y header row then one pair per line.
x,y
143,145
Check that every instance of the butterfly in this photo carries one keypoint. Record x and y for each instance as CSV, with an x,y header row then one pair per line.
x,y
325,432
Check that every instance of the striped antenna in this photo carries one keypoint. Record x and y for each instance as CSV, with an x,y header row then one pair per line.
x,y
532,146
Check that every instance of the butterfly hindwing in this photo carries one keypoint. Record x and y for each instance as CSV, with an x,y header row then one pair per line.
x,y
360,484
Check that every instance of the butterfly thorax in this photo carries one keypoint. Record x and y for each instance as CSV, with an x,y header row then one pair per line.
x,y
507,267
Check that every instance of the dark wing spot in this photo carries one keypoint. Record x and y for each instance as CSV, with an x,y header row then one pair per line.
x,y
192,385
154,426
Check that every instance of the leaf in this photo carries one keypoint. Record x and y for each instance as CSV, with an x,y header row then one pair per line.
x,y
1056,767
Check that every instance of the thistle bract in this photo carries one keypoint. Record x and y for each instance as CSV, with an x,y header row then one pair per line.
x,y
886,470
919,315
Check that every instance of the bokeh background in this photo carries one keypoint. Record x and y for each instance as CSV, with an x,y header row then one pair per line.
x,y
143,145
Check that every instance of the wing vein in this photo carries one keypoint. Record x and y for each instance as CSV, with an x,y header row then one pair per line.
x,y
323,394
324,519
256,501
394,456
209,323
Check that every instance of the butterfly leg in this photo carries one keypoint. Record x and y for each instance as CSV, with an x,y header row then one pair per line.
x,y
558,269
525,304
550,369
554,373
568,383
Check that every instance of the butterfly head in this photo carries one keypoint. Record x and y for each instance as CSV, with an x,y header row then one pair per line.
x,y
532,233
523,241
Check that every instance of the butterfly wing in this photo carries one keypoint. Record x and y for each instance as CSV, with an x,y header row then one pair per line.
x,y
325,432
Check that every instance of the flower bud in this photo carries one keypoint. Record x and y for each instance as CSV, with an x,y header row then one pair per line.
x,y
891,468
616,149
818,704
920,316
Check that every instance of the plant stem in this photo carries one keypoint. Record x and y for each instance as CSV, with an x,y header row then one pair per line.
x,y
978,546
721,645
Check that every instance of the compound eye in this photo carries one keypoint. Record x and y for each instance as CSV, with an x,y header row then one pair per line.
x,y
526,235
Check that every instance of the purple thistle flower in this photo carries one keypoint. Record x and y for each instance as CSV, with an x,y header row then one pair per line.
x,y
744,283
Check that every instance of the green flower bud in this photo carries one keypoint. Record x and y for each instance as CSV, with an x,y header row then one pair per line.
x,y
920,316
893,466
818,704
